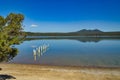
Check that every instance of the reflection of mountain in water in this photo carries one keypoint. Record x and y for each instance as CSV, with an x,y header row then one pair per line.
x,y
81,39
96,39
39,51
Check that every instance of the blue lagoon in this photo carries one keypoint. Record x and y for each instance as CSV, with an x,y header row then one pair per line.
x,y
69,52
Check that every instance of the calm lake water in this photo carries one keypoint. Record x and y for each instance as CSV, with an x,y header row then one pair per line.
x,y
70,52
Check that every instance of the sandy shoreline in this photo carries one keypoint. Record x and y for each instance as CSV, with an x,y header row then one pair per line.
x,y
40,72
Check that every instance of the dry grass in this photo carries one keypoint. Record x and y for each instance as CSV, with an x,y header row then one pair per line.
x,y
37,72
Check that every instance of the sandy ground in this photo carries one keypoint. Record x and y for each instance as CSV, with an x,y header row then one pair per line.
x,y
38,72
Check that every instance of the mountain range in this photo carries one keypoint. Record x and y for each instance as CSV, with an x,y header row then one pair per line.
x,y
83,32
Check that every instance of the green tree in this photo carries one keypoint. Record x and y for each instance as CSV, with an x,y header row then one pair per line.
x,y
11,32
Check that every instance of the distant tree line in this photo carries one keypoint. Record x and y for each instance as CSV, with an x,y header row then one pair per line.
x,y
83,32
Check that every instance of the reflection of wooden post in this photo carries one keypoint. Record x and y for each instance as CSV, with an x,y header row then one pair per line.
x,y
34,57
39,51
41,48
34,54
36,50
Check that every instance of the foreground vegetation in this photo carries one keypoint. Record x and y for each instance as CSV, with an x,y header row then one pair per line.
x,y
10,34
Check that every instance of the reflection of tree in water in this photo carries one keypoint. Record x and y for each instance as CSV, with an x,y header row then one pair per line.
x,y
81,39
10,34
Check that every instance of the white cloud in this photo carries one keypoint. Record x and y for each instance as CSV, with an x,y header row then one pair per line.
x,y
34,25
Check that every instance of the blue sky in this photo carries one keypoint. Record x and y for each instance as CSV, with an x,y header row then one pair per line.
x,y
65,15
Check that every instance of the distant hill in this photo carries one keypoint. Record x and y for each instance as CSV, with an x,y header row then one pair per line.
x,y
83,32
89,31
